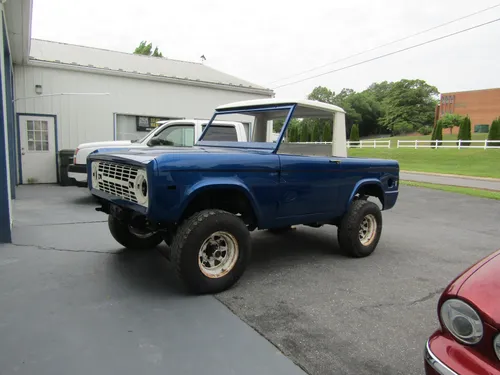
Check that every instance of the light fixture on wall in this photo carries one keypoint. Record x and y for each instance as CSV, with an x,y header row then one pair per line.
x,y
38,89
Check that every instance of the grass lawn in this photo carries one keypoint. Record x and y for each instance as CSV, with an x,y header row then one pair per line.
x,y
470,162
456,189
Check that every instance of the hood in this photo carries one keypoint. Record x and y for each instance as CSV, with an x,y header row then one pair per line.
x,y
480,285
187,156
153,152
105,144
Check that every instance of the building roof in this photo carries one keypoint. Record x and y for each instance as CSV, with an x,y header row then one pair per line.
x,y
138,65
301,103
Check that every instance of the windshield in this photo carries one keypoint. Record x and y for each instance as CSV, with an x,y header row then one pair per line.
x,y
308,132
144,138
261,123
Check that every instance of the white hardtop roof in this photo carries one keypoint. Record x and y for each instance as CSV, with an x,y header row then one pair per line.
x,y
310,104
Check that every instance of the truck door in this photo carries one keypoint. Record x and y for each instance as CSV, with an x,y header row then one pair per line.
x,y
309,186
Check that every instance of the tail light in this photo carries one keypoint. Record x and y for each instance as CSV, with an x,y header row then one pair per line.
x,y
74,156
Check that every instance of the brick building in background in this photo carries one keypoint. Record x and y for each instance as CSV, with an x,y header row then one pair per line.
x,y
482,106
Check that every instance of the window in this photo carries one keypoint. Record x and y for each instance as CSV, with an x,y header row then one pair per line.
x,y
38,135
220,133
178,135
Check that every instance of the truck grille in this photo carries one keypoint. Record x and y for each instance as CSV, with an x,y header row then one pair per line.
x,y
119,180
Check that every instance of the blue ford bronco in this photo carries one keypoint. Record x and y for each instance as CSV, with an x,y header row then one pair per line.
x,y
204,201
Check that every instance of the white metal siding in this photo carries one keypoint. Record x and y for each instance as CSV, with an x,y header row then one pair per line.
x,y
90,118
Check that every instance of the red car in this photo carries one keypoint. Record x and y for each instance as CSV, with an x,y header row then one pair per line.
x,y
468,342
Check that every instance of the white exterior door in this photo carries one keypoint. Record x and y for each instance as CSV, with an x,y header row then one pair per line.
x,y
38,149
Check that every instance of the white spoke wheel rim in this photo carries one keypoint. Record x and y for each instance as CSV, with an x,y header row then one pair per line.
x,y
218,255
367,230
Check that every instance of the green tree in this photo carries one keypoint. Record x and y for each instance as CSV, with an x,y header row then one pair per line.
x,y
277,125
464,133
322,94
325,95
367,112
450,120
437,134
327,131
304,130
425,130
146,48
494,132
354,136
402,127
410,101
380,90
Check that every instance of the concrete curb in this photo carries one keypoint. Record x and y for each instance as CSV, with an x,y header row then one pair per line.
x,y
453,176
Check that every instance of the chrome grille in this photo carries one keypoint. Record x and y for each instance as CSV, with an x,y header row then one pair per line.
x,y
116,179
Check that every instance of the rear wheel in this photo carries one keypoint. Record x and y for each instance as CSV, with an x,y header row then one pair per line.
x,y
211,251
132,238
360,229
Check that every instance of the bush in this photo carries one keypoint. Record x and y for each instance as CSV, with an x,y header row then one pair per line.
x,y
354,136
494,133
464,133
425,130
402,128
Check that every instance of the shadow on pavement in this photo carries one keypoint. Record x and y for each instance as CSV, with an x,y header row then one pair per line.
x,y
144,272
301,243
87,200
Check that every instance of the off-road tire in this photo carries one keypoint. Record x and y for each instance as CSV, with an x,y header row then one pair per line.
x,y
280,230
121,233
187,243
348,230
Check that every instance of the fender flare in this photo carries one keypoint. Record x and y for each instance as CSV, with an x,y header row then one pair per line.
x,y
360,184
217,183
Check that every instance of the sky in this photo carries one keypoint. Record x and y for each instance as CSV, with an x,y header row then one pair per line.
x,y
264,41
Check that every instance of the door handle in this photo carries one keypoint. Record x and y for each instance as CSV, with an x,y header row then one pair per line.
x,y
336,161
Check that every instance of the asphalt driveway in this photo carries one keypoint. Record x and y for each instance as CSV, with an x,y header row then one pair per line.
x,y
336,315
72,301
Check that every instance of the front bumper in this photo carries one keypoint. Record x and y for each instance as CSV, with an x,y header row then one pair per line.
x,y
445,356
78,173
433,366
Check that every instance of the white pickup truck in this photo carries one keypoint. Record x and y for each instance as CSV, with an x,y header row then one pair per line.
x,y
178,133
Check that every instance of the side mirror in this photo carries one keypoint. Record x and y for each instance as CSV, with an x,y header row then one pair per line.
x,y
154,142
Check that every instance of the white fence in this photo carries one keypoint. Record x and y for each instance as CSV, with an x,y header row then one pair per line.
x,y
416,144
369,143
449,144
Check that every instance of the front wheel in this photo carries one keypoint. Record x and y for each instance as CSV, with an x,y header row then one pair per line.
x,y
131,238
360,229
210,251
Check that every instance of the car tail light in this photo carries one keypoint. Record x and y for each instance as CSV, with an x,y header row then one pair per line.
x,y
74,156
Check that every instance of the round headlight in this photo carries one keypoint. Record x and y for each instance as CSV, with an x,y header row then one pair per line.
x,y
141,187
462,321
496,345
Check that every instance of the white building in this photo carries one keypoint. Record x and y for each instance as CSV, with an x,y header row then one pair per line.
x,y
65,95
